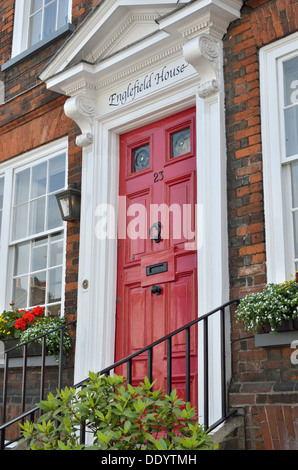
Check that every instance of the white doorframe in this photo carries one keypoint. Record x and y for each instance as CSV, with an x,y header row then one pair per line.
x,y
98,258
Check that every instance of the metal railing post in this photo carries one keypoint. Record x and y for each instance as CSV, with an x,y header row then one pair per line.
x,y
206,374
187,364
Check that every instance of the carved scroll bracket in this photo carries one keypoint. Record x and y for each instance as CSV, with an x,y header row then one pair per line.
x,y
81,109
204,54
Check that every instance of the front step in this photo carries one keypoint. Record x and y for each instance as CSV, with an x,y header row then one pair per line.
x,y
231,435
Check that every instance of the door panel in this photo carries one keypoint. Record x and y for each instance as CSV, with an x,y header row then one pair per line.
x,y
158,180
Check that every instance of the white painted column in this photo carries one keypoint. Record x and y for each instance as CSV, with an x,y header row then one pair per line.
x,y
98,255
205,54
98,258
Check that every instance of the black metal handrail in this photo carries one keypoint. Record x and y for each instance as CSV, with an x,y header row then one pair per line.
x,y
149,349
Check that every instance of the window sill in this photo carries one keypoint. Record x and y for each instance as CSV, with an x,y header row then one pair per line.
x,y
279,339
35,361
31,51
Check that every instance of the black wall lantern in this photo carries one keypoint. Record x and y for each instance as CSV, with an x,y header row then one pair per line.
x,y
69,202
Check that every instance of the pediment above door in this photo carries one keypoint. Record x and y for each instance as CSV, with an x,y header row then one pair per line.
x,y
119,30
127,51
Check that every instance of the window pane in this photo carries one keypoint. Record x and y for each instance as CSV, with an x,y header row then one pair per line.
x,y
57,173
291,81
1,200
62,13
39,254
55,284
20,220
1,192
39,180
20,292
295,223
36,5
54,216
37,211
294,178
38,288
141,157
180,143
22,182
56,250
35,28
49,25
291,129
54,310
22,259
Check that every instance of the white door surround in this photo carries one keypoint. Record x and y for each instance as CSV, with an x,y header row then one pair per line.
x,y
176,65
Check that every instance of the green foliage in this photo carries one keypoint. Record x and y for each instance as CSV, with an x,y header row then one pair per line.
x,y
45,325
25,325
118,416
7,323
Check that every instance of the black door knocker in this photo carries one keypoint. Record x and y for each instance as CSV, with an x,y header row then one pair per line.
x,y
154,232
156,290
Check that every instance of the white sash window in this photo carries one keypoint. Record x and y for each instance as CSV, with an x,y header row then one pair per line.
x,y
279,99
37,20
33,233
45,17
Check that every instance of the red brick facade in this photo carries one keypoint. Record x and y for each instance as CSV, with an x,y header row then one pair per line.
x,y
265,382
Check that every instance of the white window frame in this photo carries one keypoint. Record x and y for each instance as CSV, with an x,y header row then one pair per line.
x,y
276,174
1,207
21,26
8,169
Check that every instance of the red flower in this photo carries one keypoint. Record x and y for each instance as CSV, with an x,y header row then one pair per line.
x,y
38,311
29,317
20,323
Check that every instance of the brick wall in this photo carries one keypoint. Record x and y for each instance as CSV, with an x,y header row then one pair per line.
x,y
265,383
33,378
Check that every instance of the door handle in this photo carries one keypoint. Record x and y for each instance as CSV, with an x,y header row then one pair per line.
x,y
155,232
156,290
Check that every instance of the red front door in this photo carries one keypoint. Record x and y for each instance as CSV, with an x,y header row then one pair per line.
x,y
157,261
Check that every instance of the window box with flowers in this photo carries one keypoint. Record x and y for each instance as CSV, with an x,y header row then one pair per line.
x,y
272,311
18,326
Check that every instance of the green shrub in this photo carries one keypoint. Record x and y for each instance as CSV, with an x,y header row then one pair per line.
x,y
118,416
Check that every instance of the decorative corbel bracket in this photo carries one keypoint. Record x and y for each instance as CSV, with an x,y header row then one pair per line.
x,y
81,109
204,54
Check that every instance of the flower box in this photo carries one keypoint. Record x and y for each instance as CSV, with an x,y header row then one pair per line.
x,y
33,349
275,309
286,325
21,326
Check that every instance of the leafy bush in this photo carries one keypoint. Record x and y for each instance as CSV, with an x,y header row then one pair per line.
x,y
117,416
